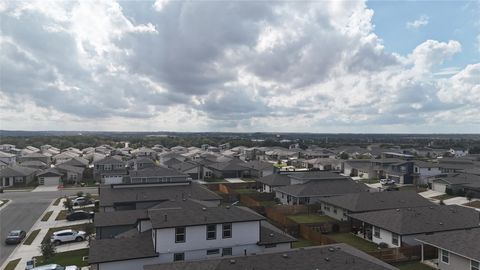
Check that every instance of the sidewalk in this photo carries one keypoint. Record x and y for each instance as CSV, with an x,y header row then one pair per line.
x,y
26,252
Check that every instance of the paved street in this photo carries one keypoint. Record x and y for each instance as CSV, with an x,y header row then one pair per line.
x,y
24,210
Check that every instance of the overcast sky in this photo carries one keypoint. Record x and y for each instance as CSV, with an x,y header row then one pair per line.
x,y
246,66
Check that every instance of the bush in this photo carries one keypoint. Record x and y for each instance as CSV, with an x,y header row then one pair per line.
x,y
80,194
48,249
67,204
383,245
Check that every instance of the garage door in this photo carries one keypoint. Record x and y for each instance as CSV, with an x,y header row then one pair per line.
x,y
439,187
108,180
49,181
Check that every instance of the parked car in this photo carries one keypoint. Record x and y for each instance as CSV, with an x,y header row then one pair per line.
x,y
72,267
15,237
68,236
387,181
81,201
79,215
49,267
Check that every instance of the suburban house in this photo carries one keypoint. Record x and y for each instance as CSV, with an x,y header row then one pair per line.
x,y
269,182
140,163
7,158
35,157
122,197
191,168
452,165
50,177
297,178
109,170
33,164
339,207
72,174
401,226
144,152
186,230
259,168
15,175
155,174
457,250
324,164
327,257
458,152
313,191
455,182
424,170
234,168
77,162
64,156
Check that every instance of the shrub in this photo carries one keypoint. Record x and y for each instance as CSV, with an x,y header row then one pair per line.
x,y
80,194
383,245
48,249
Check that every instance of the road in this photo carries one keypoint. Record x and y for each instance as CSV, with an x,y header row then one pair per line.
x,y
24,210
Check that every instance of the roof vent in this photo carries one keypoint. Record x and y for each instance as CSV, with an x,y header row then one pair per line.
x,y
327,259
228,206
331,249
232,261
398,210
204,209
440,223
285,255
271,235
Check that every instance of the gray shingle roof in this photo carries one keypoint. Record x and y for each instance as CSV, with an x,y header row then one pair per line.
x,y
108,160
119,249
259,165
66,167
275,180
324,188
188,213
329,257
117,218
317,175
16,170
232,165
270,234
464,243
156,171
457,178
436,218
109,196
373,201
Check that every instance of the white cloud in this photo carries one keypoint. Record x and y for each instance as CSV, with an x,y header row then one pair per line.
x,y
246,66
420,22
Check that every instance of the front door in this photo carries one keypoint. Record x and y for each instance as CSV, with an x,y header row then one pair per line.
x,y
7,181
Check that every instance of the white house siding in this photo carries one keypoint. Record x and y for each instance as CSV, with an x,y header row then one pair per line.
x,y
455,262
50,181
277,248
424,173
329,210
112,179
135,264
145,225
385,237
245,235
282,197
440,187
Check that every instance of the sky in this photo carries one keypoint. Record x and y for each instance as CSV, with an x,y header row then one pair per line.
x,y
241,66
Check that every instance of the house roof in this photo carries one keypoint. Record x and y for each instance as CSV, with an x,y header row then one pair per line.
x,y
464,243
33,163
323,188
172,162
120,249
436,218
328,257
270,234
34,155
189,213
275,180
317,175
184,166
77,161
108,160
258,165
16,170
69,168
50,171
232,165
123,194
6,155
425,164
373,201
457,178
117,218
156,171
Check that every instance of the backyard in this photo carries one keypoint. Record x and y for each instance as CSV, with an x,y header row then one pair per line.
x,y
412,266
354,241
305,218
302,243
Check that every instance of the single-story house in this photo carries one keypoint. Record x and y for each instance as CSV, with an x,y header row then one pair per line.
x,y
272,181
15,175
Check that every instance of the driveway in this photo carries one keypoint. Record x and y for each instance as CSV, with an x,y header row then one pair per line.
x,y
430,193
456,200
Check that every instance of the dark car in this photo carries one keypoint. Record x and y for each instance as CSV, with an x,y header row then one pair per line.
x,y
15,237
79,215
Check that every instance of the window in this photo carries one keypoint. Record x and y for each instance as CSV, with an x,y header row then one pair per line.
x,y
335,210
180,235
227,252
395,239
178,257
18,180
474,265
213,251
376,232
270,245
211,232
445,256
227,230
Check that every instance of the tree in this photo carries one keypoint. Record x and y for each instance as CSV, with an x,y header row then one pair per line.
x,y
344,155
441,202
48,249
67,204
80,194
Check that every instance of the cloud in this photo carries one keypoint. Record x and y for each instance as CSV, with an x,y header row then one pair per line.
x,y
420,22
239,66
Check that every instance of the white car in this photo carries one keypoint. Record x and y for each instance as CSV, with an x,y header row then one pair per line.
x,y
72,267
81,201
387,181
68,236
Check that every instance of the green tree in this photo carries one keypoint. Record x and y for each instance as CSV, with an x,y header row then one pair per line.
x,y
68,204
48,249
344,155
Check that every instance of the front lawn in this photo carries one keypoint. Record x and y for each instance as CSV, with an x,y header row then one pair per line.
x,y
475,204
12,264
79,227
245,191
412,266
354,241
47,216
310,218
57,201
302,243
31,237
443,197
73,257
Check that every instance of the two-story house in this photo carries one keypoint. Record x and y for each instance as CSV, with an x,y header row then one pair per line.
x,y
109,170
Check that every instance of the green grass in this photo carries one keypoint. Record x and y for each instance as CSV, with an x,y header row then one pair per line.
x,y
310,218
57,201
47,216
245,190
78,227
73,257
412,266
443,197
354,241
12,264
31,237
267,203
475,204
302,243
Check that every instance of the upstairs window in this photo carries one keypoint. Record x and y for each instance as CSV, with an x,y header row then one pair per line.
x,y
445,256
180,235
227,230
211,232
